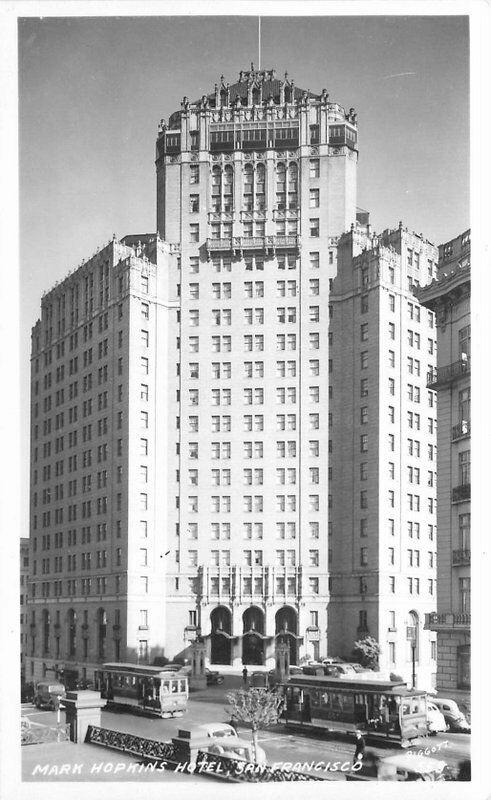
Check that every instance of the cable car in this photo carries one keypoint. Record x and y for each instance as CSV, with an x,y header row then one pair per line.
x,y
151,689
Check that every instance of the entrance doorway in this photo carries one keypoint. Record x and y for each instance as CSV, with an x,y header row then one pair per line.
x,y
253,636
221,635
286,630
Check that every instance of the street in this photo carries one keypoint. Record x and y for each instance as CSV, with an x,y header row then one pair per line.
x,y
296,750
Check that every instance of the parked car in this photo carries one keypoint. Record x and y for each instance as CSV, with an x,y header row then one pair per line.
x,y
347,669
453,716
237,748
314,669
47,694
213,677
216,730
401,767
333,660
436,720
343,670
27,693
262,680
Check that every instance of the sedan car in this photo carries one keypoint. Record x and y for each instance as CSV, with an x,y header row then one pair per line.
x,y
454,717
213,677
436,720
238,749
216,730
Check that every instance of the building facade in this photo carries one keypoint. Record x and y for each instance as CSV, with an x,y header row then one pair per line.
x,y
448,296
227,440
100,458
254,183
23,598
382,417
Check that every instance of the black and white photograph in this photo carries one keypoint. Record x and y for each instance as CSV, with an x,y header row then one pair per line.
x,y
239,548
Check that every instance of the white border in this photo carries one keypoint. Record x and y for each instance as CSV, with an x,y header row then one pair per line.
x,y
480,16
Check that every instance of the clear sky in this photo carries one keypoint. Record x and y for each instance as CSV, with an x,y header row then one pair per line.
x,y
92,90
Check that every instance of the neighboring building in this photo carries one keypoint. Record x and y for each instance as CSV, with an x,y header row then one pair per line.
x,y
101,401
254,182
24,624
448,296
382,492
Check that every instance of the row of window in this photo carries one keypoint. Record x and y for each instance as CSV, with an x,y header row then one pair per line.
x,y
253,422
223,397
224,230
413,529
250,343
284,475
56,564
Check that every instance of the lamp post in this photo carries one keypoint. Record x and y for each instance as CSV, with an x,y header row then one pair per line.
x,y
411,636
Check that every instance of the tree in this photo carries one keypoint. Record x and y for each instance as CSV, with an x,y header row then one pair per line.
x,y
257,706
366,652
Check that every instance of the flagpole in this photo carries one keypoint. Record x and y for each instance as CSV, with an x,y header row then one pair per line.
x,y
259,41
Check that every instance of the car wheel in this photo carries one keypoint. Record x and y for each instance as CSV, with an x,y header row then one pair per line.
x,y
219,680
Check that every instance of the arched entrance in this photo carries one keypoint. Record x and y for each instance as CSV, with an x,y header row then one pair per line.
x,y
221,635
253,636
286,629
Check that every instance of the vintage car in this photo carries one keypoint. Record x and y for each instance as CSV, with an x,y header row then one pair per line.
x,y
236,748
453,716
47,694
436,720
401,767
215,730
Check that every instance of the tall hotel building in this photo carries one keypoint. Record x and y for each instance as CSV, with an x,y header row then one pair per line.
x,y
254,182
449,298
382,495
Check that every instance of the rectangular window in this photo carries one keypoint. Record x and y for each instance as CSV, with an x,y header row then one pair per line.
x,y
314,170
314,198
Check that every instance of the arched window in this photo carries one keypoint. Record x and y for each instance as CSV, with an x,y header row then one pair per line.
x,y
281,186
260,188
292,186
216,189
228,188
248,187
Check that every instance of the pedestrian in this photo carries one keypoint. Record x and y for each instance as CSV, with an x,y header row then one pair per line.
x,y
233,724
244,675
359,748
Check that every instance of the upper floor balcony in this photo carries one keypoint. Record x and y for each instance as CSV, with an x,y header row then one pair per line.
x,y
461,430
238,244
447,620
444,376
